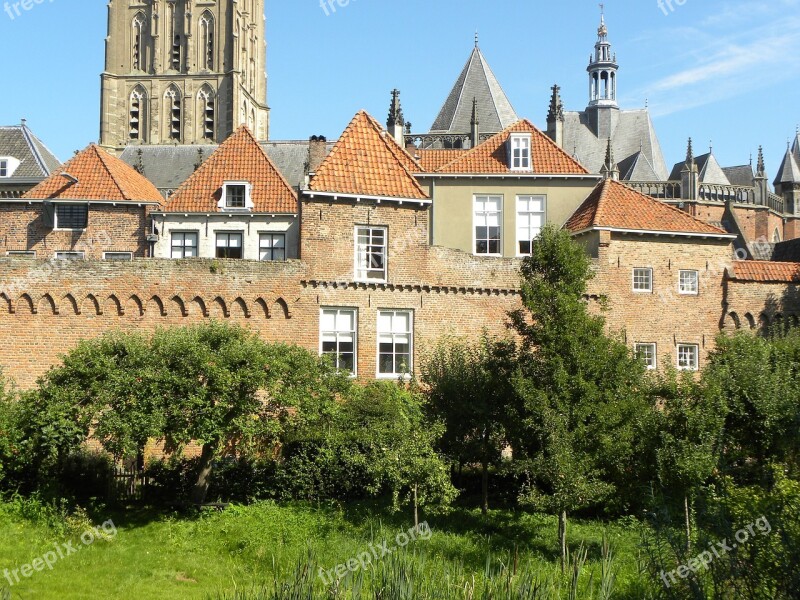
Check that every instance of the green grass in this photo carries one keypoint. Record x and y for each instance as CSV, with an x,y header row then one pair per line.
x,y
213,554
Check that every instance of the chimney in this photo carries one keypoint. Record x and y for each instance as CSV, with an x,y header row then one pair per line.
x,y
317,151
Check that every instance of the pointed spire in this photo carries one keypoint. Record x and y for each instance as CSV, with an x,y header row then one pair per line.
x,y
602,31
690,154
474,120
761,169
395,110
475,123
556,112
610,170
603,69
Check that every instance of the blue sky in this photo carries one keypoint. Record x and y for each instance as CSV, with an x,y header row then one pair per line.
x,y
717,70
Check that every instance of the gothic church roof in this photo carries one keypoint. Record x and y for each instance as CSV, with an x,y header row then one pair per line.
x,y
477,81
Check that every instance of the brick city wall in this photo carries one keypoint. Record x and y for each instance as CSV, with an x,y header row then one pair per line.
x,y
754,305
109,229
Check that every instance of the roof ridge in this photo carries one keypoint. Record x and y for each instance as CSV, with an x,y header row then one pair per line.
x,y
463,87
98,152
34,150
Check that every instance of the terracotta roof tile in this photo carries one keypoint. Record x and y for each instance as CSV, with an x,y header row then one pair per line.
x,y
367,161
100,177
239,158
433,159
612,204
766,272
492,157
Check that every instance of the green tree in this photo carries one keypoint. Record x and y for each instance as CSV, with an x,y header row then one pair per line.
x,y
469,387
224,388
579,390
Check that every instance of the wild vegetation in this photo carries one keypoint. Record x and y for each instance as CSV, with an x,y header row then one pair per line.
x,y
549,464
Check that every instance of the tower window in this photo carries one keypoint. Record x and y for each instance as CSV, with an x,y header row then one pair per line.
x,y
138,43
206,98
207,41
175,52
136,115
174,107
236,196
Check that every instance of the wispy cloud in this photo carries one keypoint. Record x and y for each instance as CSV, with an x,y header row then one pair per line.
x,y
728,57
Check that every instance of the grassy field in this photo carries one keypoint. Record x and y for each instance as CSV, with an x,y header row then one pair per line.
x,y
213,554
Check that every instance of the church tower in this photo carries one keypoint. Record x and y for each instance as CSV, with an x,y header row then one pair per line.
x,y
183,72
603,109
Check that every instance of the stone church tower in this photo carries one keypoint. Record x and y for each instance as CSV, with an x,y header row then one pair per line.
x,y
183,72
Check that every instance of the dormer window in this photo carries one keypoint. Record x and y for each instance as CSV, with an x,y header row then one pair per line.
x,y
520,152
236,196
8,165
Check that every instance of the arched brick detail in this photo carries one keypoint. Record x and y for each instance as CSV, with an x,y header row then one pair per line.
x,y
201,305
73,303
137,308
113,304
180,306
240,306
25,305
263,306
47,304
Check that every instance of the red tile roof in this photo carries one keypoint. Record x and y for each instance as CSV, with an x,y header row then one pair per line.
x,y
765,272
612,204
367,161
239,158
492,156
432,159
100,177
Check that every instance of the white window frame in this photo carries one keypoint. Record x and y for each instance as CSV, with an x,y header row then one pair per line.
x,y
70,255
183,246
11,165
128,255
484,199
248,200
636,290
262,249
337,333
650,362
682,289
682,365
528,198
520,152
5,170
362,252
62,205
228,234
394,334
22,253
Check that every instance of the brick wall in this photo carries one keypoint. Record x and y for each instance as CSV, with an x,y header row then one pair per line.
x,y
110,228
753,305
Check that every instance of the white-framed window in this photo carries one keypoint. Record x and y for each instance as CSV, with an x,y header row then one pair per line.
x,y
688,357
647,353
530,220
70,255
22,253
272,246
4,170
120,256
338,337
520,155
395,343
71,216
8,164
370,253
236,195
229,244
488,216
689,282
184,244
643,280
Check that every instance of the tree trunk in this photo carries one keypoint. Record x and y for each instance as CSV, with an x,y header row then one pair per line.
x,y
204,477
416,510
485,475
688,522
562,539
